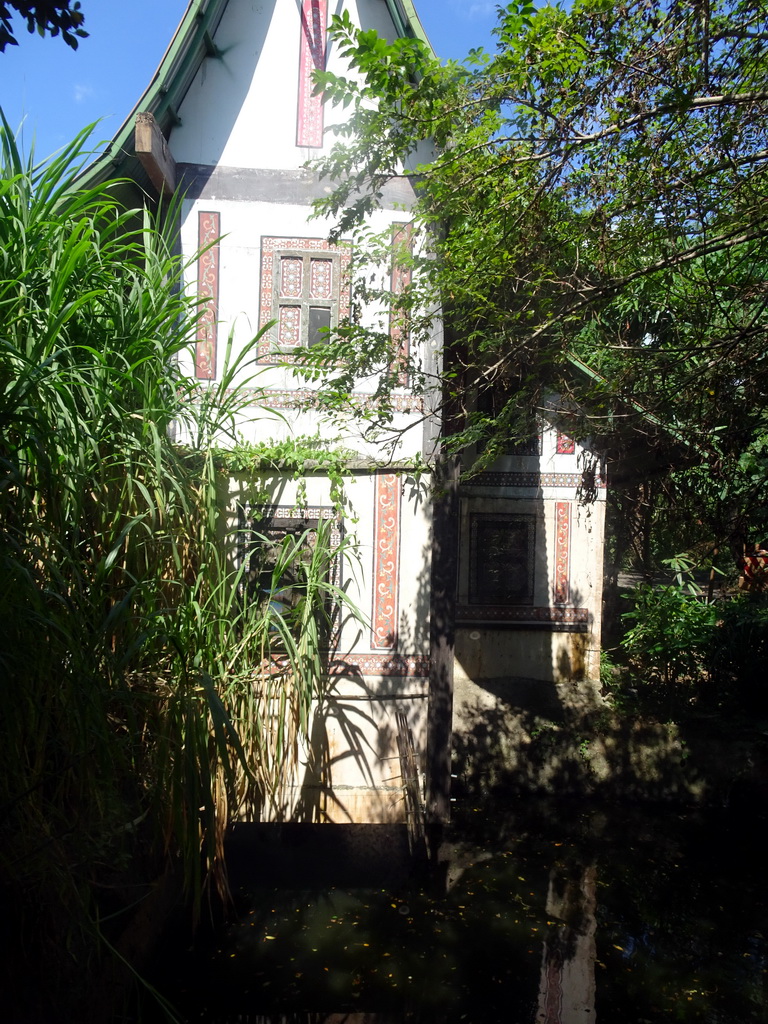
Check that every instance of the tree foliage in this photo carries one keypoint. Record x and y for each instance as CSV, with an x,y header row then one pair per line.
x,y
593,223
51,16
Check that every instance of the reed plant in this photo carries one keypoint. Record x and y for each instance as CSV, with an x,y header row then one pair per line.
x,y
140,711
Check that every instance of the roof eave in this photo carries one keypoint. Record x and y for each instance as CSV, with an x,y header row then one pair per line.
x,y
189,47
407,21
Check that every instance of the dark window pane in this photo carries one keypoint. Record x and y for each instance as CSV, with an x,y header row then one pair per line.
x,y
501,559
319,322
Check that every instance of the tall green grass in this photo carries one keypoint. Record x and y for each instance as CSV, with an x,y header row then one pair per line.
x,y
141,709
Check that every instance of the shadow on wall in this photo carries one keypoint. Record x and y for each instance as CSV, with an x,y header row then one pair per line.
x,y
348,769
237,43
339,734
561,652
354,733
542,738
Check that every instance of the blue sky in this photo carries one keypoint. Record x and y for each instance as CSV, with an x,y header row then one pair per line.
x,y
57,91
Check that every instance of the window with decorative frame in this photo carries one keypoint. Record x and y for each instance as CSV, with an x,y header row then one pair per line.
x,y
304,290
501,558
262,530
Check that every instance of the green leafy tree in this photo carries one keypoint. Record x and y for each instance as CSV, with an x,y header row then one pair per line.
x,y
593,225
43,16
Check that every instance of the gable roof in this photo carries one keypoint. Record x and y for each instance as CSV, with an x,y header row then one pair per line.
x,y
191,44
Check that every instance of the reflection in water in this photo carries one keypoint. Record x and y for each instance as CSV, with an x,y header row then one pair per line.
x,y
567,989
518,935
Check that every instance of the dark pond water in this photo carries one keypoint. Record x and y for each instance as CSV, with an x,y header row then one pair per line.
x,y
543,915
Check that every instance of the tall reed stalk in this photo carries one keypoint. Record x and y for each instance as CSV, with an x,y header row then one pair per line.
x,y
133,720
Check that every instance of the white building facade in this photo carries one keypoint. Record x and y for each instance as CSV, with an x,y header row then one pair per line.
x,y
229,123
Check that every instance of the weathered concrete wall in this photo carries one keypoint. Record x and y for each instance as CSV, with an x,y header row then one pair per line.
x,y
350,770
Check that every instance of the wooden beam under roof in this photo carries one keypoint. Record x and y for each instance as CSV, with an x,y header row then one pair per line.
x,y
152,150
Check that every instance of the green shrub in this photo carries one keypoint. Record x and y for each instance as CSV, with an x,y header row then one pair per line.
x,y
676,639
672,632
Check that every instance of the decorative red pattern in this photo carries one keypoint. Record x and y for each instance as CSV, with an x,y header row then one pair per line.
x,y
552,981
320,279
269,246
381,665
565,445
314,17
386,534
305,399
291,273
562,551
207,290
289,325
570,480
400,279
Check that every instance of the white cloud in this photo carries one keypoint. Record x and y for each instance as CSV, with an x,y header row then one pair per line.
x,y
82,92
475,11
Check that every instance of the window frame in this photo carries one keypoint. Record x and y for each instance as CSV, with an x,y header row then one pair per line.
x,y
518,526
274,249
275,522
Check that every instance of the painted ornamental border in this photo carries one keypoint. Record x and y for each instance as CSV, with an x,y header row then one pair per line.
x,y
386,561
309,121
208,233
